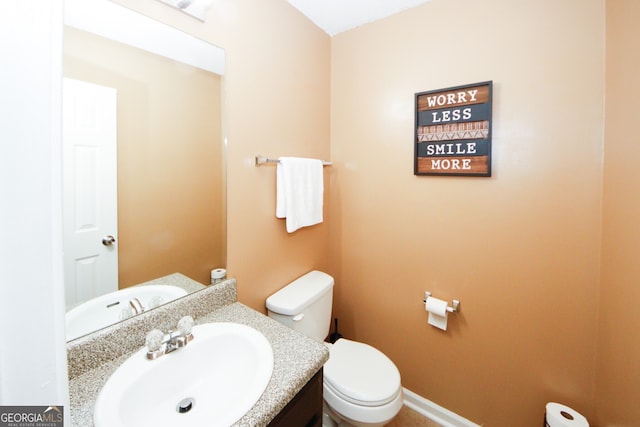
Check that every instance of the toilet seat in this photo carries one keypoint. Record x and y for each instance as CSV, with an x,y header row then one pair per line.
x,y
360,374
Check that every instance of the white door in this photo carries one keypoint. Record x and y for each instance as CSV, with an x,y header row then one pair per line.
x,y
89,191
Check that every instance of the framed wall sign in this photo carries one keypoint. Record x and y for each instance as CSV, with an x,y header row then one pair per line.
x,y
453,131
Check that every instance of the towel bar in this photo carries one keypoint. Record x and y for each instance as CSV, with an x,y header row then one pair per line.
x,y
262,160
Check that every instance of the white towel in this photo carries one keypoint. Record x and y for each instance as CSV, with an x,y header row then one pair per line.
x,y
299,191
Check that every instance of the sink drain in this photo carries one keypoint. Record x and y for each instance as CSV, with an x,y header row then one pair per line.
x,y
185,405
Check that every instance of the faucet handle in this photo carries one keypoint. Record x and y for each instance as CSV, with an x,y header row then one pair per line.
x,y
154,340
185,325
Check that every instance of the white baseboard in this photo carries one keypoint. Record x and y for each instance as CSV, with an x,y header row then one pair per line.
x,y
435,412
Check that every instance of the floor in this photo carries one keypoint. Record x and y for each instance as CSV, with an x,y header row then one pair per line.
x,y
409,418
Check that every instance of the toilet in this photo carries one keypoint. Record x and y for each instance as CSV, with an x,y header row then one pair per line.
x,y
361,385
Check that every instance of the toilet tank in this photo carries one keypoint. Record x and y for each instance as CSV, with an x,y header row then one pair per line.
x,y
305,305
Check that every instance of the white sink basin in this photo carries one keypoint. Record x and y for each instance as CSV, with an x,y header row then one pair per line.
x,y
224,370
113,307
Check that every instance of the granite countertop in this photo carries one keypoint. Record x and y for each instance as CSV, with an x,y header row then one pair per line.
x,y
296,359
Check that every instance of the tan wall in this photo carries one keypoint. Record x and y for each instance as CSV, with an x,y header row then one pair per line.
x,y
618,367
276,103
520,250
170,189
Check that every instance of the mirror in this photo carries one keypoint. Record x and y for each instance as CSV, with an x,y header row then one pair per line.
x,y
171,211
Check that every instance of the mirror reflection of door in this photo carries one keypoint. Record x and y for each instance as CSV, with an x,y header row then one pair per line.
x,y
89,191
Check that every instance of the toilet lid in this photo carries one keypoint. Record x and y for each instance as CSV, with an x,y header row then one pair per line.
x,y
361,374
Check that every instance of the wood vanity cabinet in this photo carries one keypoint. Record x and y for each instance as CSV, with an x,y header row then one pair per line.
x,y
305,409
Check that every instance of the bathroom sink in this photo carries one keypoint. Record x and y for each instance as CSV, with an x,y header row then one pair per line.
x,y
113,307
212,381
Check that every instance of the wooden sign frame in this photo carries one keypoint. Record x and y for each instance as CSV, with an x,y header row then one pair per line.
x,y
453,131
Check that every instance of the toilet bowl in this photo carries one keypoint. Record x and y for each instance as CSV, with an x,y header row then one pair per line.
x,y
361,384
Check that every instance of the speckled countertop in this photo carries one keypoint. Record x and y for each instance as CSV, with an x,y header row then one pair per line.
x,y
94,358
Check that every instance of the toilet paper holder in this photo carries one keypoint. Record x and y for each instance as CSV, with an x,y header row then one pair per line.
x,y
453,308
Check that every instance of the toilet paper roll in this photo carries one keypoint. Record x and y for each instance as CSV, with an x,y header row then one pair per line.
x,y
437,309
436,306
218,275
558,415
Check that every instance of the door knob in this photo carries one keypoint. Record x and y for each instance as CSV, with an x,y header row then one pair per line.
x,y
108,240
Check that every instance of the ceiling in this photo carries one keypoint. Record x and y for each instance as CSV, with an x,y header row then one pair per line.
x,y
336,16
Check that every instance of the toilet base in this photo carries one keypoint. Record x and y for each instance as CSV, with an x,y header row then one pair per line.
x,y
331,419
327,421
347,414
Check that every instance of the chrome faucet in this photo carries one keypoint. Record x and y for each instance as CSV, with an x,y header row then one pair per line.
x,y
159,344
